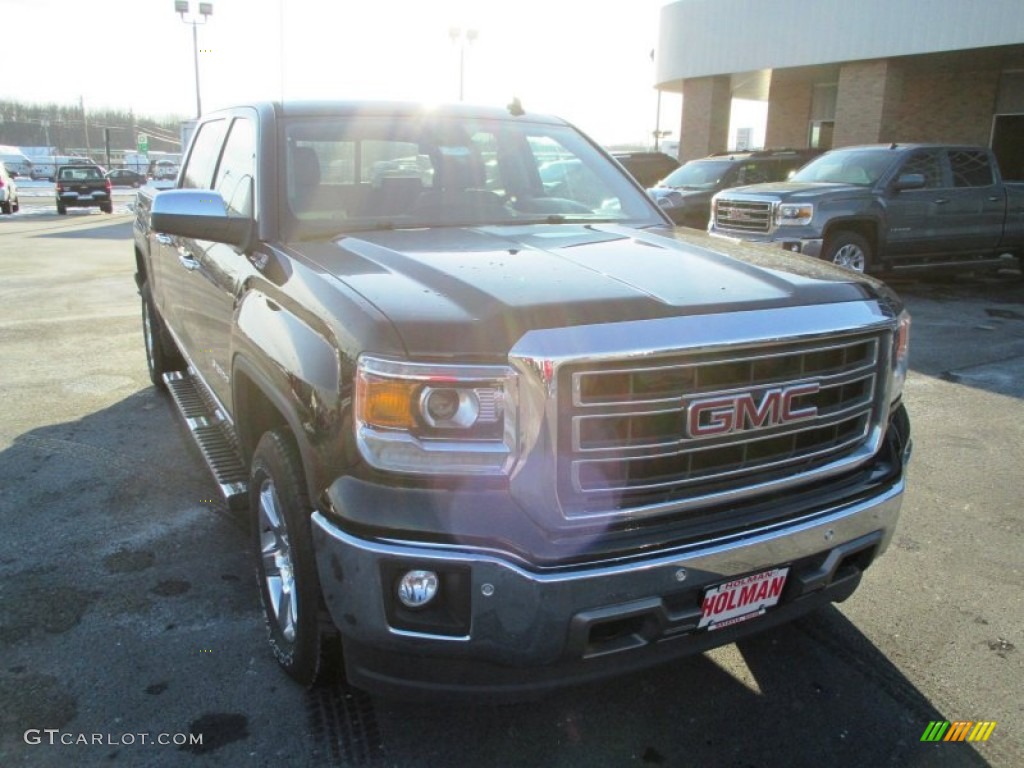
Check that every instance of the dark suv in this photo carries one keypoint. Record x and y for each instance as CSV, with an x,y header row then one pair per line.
x,y
698,180
647,167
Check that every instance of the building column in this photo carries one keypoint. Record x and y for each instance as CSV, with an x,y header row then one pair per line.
x,y
867,102
789,110
707,104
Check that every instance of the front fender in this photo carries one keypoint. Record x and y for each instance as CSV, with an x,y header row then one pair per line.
x,y
284,371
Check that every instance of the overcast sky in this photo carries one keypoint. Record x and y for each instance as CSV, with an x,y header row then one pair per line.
x,y
586,61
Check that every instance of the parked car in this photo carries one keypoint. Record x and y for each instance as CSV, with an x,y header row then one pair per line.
x,y
698,180
123,177
44,168
164,170
647,167
82,186
17,163
886,207
8,191
509,430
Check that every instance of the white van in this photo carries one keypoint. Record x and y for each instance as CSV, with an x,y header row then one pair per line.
x,y
43,168
17,163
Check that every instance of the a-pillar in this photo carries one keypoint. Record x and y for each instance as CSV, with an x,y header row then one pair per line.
x,y
707,103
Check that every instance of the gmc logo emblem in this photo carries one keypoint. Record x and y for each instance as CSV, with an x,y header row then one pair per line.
x,y
736,413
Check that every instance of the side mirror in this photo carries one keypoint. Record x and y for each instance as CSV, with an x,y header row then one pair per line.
x,y
908,181
199,214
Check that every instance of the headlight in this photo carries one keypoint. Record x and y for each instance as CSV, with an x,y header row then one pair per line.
x,y
667,198
900,355
793,214
435,419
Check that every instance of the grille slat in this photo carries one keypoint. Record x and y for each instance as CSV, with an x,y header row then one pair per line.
x,y
643,429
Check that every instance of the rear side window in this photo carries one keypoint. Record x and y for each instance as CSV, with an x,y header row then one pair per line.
x,y
202,160
971,168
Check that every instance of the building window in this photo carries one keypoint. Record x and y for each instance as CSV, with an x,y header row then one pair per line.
x,y
820,136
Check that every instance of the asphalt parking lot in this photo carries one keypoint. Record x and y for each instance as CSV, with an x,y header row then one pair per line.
x,y
129,613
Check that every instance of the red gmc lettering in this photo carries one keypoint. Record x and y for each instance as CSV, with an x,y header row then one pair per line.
x,y
753,416
722,415
788,413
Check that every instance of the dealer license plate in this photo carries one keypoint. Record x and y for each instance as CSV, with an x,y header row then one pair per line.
x,y
742,599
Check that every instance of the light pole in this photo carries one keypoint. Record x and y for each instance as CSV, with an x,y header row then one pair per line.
x,y
463,38
205,10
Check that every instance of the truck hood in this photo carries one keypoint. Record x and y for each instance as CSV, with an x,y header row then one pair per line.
x,y
473,292
795,191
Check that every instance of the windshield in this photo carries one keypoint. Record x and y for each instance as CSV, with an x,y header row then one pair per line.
x,y
351,173
862,167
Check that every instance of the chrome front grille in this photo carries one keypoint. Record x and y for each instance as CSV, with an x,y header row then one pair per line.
x,y
743,216
694,425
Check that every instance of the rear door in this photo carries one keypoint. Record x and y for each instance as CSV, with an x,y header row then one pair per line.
x,y
971,212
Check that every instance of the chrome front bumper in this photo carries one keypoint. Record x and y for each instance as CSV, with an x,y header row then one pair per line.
x,y
809,246
519,619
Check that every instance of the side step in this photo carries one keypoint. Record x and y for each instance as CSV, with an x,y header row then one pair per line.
x,y
214,436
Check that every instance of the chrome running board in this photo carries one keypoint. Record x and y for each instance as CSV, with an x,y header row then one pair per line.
x,y
215,437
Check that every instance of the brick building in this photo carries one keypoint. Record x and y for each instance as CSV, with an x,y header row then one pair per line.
x,y
841,72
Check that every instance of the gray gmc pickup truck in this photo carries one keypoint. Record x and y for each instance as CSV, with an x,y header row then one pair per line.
x,y
500,428
886,208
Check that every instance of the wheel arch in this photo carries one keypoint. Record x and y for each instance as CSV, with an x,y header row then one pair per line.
x,y
259,407
866,228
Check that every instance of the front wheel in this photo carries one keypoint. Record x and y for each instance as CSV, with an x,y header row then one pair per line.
x,y
285,565
850,250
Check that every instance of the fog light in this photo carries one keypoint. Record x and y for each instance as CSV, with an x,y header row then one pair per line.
x,y
417,588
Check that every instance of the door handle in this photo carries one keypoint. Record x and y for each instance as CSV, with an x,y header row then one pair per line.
x,y
941,201
164,239
187,260
995,199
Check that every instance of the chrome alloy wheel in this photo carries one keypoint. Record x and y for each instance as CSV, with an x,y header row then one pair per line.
x,y
278,572
851,256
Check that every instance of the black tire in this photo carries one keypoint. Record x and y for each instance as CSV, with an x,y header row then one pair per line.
x,y
304,643
62,209
16,206
5,208
162,355
850,250
107,207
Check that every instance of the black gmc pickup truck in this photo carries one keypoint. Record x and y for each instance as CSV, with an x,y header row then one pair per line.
x,y
885,208
497,433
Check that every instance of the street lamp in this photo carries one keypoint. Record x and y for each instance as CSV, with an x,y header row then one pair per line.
x,y
205,10
463,38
